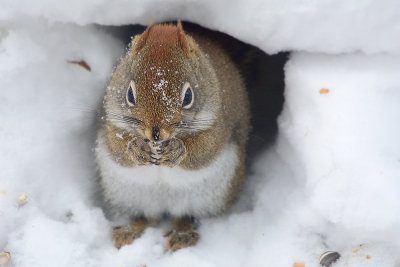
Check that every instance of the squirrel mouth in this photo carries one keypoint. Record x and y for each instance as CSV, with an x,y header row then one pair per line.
x,y
157,144
157,150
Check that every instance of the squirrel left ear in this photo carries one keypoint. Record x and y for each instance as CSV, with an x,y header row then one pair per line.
x,y
141,41
183,41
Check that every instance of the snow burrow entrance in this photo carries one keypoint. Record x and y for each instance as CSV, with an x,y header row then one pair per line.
x,y
330,181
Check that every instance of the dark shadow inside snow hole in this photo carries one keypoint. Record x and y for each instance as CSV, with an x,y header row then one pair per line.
x,y
264,76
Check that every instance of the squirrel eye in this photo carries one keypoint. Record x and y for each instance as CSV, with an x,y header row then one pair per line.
x,y
187,96
131,94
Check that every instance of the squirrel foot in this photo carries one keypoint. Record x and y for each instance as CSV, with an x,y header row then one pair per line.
x,y
182,234
125,234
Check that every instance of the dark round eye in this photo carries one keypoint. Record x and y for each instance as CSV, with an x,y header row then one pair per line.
x,y
131,98
187,96
131,94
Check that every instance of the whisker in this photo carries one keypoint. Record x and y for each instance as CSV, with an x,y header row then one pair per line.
x,y
114,117
191,123
80,108
131,120
195,125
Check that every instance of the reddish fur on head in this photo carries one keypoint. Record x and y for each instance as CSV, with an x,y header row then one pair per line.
x,y
165,34
160,52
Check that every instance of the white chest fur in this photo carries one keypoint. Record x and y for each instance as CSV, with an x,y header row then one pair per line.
x,y
154,190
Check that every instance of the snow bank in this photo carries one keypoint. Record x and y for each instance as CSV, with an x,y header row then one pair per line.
x,y
47,109
342,146
346,139
330,182
310,25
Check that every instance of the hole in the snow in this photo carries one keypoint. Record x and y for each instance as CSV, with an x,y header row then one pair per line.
x,y
264,76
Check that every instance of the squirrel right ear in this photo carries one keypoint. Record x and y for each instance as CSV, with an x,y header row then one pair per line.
x,y
140,41
185,41
182,39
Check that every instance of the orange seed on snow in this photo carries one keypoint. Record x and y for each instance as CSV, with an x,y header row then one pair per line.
x,y
4,258
324,91
22,199
368,257
296,264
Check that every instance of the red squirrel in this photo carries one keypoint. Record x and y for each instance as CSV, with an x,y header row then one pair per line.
x,y
172,134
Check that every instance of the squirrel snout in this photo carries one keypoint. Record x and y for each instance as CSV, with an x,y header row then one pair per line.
x,y
155,133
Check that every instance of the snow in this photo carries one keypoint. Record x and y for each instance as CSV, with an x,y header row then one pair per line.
x,y
331,181
326,26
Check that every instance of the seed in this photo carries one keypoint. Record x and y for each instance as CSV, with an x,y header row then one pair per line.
x,y
81,63
22,199
328,257
324,91
4,258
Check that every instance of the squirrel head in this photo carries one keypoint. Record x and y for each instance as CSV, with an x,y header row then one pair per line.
x,y
164,86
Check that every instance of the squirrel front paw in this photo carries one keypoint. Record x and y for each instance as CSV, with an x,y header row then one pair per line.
x,y
172,152
139,151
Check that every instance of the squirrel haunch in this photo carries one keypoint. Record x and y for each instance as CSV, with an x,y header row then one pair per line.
x,y
173,127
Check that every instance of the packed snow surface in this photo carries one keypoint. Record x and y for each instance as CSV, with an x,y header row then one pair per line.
x,y
331,181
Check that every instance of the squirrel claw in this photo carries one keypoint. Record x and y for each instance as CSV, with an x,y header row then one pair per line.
x,y
139,151
174,153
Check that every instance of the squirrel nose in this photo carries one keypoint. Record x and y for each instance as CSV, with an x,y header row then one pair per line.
x,y
155,132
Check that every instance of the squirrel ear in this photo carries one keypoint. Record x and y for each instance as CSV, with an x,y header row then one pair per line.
x,y
182,39
141,41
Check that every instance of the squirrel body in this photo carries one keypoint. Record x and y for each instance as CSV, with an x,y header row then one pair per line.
x,y
152,191
173,129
